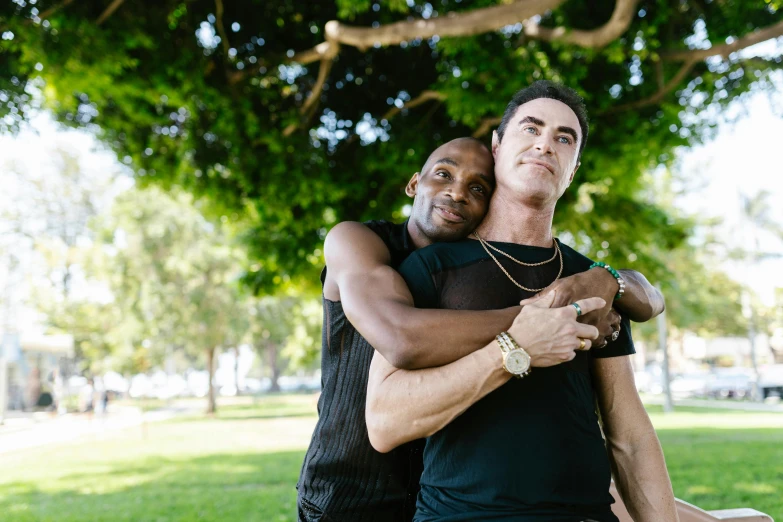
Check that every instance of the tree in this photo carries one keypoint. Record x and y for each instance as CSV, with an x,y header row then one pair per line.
x,y
45,226
286,117
174,274
286,331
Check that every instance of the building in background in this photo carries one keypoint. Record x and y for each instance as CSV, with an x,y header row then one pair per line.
x,y
32,369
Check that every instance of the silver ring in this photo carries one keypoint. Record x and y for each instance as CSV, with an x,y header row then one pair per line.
x,y
615,335
578,309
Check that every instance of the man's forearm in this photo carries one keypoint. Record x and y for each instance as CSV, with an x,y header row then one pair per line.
x,y
641,300
640,474
428,338
407,405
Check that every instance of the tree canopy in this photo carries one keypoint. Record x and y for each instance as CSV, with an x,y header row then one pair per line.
x,y
290,116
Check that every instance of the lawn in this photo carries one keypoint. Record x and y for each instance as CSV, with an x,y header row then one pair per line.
x,y
242,466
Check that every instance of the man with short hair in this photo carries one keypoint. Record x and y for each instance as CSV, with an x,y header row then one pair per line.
x,y
343,477
528,448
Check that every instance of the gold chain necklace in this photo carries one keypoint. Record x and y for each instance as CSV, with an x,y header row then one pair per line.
x,y
487,246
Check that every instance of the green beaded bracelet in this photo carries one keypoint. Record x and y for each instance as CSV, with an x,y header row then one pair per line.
x,y
615,273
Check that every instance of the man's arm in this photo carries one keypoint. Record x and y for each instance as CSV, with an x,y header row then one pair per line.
x,y
407,405
640,302
637,460
378,303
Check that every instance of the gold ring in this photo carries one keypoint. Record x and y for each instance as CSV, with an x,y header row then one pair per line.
x,y
582,344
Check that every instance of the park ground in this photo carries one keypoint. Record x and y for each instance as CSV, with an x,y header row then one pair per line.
x,y
242,464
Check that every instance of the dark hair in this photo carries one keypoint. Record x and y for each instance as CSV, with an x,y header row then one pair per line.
x,y
553,91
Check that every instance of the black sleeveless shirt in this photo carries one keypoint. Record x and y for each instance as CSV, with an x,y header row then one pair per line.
x,y
343,478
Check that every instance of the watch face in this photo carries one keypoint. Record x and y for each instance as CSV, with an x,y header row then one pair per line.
x,y
517,362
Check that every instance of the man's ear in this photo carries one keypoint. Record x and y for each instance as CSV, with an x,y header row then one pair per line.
x,y
410,188
574,173
495,144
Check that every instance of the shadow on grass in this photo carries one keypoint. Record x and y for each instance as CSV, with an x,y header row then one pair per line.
x,y
235,487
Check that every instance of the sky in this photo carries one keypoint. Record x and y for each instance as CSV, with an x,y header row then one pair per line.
x,y
745,157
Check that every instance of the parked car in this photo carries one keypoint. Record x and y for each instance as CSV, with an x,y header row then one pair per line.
x,y
771,381
734,383
689,385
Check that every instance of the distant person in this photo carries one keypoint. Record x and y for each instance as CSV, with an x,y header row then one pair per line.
x,y
86,397
343,478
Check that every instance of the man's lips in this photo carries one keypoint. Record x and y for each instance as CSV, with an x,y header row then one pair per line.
x,y
449,214
540,163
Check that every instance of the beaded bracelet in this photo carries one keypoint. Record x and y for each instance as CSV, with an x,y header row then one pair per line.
x,y
615,273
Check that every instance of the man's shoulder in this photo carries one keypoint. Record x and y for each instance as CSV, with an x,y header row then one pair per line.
x,y
383,227
575,260
444,255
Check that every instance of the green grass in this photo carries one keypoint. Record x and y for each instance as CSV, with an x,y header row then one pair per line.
x,y
720,459
242,465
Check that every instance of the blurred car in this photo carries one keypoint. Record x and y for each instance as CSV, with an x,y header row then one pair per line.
x,y
689,385
734,383
647,382
771,381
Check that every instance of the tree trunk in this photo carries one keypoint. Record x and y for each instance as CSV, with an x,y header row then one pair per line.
x,y
271,350
211,406
236,370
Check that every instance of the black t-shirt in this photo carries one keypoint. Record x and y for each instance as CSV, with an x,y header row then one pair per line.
x,y
343,478
532,450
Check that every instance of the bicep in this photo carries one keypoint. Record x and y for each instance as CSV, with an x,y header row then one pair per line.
x,y
369,297
351,247
373,295
380,370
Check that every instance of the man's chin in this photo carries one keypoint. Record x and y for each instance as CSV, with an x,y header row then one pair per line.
x,y
453,233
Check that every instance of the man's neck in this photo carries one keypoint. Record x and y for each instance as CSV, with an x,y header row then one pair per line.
x,y
417,236
519,222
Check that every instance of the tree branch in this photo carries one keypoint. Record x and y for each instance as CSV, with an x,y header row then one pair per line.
x,y
109,11
220,28
692,57
467,23
486,125
323,73
49,12
624,11
659,76
425,96
761,35
661,93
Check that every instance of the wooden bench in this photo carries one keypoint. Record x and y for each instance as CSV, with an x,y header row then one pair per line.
x,y
690,513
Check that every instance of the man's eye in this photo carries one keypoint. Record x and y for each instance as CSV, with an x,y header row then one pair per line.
x,y
533,129
442,173
565,140
480,190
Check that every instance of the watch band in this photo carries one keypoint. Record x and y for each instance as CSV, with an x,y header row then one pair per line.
x,y
507,344
504,341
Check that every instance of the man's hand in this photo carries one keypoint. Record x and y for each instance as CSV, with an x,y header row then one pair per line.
x,y
596,282
552,335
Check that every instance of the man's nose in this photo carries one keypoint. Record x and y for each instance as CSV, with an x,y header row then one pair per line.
x,y
458,192
543,145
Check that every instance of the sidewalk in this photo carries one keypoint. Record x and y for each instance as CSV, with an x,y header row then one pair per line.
x,y
716,404
24,431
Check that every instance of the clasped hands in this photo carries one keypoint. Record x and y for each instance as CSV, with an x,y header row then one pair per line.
x,y
552,331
